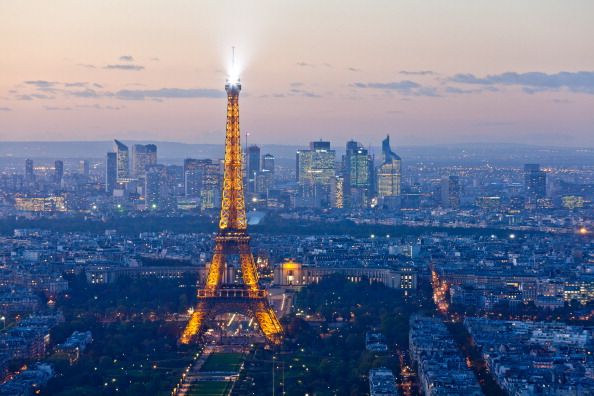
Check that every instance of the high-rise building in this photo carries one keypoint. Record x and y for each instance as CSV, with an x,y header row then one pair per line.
x,y
535,182
193,171
84,168
202,180
268,162
111,172
143,155
357,174
210,193
253,166
175,180
337,193
450,192
123,160
316,170
29,172
58,172
388,173
156,190
265,177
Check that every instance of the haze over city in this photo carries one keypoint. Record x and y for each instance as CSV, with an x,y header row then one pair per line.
x,y
426,72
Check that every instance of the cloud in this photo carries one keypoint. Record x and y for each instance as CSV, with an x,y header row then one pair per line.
x,y
99,107
41,83
5,109
353,69
88,90
313,65
87,93
43,88
127,58
86,65
34,96
456,90
294,90
120,66
76,84
405,87
56,108
533,82
166,93
301,92
417,72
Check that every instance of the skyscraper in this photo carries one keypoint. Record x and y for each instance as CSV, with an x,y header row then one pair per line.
x,y
123,160
111,172
155,186
193,171
175,180
337,193
210,192
143,155
265,178
357,174
253,166
58,172
450,192
29,172
268,162
388,173
202,180
316,169
535,182
84,168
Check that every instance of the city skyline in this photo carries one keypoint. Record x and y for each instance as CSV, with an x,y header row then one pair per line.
x,y
425,74
400,202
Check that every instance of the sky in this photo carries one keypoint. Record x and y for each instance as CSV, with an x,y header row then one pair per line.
x,y
425,72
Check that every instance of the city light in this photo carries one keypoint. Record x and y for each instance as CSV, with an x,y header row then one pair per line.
x,y
384,224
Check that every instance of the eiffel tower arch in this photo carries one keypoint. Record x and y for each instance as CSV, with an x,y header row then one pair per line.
x,y
232,239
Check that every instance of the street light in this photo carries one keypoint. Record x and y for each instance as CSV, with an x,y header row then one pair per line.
x,y
3,319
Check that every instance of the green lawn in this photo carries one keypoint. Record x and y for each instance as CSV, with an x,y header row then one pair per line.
x,y
228,362
210,388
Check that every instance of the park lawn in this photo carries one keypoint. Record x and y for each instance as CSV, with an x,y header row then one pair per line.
x,y
226,362
210,388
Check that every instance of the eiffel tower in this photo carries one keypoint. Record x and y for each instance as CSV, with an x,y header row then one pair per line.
x,y
232,239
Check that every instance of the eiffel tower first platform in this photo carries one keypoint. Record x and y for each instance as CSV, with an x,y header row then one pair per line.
x,y
232,240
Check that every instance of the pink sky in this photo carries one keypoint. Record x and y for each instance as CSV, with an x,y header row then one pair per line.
x,y
424,72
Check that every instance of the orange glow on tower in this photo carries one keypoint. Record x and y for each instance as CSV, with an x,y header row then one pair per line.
x,y
232,239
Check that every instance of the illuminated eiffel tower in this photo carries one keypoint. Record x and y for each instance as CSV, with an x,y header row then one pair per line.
x,y
232,239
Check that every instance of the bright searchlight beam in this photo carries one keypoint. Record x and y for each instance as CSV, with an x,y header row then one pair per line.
x,y
233,75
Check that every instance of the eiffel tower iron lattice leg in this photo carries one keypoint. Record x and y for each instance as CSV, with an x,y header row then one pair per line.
x,y
232,239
